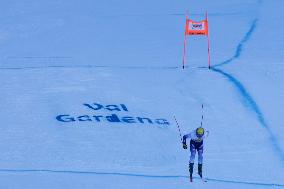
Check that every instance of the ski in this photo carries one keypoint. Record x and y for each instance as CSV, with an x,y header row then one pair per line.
x,y
201,178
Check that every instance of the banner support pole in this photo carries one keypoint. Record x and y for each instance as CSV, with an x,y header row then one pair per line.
x,y
208,43
184,42
184,52
209,62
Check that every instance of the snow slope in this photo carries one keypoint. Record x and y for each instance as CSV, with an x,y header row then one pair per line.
x,y
65,67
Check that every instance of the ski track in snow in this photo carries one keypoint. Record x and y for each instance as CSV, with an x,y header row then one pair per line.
x,y
137,175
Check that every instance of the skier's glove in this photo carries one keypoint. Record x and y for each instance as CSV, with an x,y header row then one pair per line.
x,y
184,146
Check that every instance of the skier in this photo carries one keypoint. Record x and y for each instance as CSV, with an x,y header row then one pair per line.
x,y
196,144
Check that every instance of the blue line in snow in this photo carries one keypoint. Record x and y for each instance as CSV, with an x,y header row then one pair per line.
x,y
245,182
249,102
247,99
240,46
134,175
92,66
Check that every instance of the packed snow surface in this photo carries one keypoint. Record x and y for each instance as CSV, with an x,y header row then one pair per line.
x,y
89,91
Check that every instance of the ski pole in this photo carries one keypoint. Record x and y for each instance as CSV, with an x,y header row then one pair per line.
x,y
207,132
178,129
202,115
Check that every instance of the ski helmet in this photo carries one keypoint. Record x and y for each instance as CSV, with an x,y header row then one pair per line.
x,y
199,132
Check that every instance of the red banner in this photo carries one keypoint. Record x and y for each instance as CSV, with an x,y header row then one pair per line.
x,y
196,28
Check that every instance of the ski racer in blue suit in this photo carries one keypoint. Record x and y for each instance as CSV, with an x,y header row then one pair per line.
x,y
196,144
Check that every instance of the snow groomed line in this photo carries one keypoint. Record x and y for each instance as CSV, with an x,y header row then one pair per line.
x,y
135,175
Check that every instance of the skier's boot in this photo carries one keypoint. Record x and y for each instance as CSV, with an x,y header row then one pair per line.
x,y
200,170
190,171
